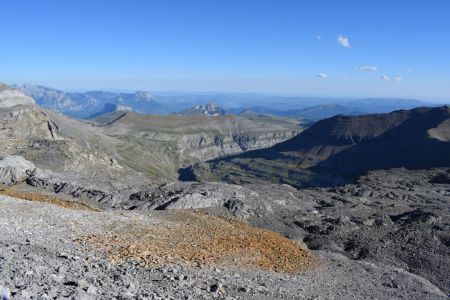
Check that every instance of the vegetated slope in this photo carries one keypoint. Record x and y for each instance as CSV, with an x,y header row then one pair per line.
x,y
159,145
270,119
340,148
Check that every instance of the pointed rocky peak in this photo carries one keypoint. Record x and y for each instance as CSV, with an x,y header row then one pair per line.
x,y
206,109
144,96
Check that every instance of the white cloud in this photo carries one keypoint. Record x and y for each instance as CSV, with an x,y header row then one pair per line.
x,y
344,78
366,69
406,70
388,78
318,37
321,75
343,41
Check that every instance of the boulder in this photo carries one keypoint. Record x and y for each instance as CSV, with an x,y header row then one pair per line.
x,y
14,169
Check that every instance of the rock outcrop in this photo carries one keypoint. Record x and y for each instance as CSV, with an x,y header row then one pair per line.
x,y
207,109
14,169
11,97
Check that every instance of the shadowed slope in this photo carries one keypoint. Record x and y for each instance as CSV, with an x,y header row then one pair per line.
x,y
338,149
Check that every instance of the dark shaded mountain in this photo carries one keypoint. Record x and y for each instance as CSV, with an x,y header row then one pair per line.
x,y
107,108
340,148
111,108
207,109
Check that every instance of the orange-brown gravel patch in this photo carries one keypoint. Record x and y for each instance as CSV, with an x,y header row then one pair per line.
x,y
36,197
202,240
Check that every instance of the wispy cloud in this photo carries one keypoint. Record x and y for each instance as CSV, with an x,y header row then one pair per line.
x,y
366,69
406,70
344,78
343,41
388,78
318,37
321,75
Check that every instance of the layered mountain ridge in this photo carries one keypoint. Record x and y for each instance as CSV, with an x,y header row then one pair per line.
x,y
344,147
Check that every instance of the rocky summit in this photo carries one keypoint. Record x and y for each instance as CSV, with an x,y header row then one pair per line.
x,y
208,109
11,97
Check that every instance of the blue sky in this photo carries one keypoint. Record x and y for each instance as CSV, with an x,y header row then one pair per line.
x,y
386,48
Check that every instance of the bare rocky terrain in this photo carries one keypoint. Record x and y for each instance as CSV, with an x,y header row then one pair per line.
x,y
79,223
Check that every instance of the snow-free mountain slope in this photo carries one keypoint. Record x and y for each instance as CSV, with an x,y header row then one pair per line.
x,y
344,147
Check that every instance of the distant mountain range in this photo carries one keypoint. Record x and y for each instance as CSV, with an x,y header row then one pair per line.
x,y
88,104
91,104
349,108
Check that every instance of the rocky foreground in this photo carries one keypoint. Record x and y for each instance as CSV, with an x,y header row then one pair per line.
x,y
385,237
41,257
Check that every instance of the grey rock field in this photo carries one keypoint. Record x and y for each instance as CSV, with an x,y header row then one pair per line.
x,y
40,259
384,237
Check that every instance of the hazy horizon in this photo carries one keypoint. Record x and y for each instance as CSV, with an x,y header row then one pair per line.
x,y
348,49
253,94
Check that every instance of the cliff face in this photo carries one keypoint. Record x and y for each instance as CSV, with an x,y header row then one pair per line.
x,y
206,146
160,145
